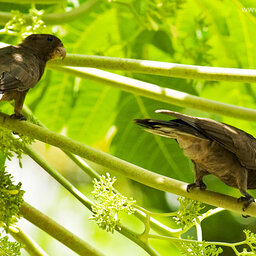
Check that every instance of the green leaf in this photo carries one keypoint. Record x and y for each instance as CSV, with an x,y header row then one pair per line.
x,y
152,152
93,113
55,107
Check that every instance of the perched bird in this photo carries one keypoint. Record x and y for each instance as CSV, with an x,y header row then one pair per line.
x,y
215,148
22,66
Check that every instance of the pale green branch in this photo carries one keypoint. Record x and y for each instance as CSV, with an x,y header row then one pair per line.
x,y
83,165
160,68
129,170
55,230
57,18
64,182
28,244
159,93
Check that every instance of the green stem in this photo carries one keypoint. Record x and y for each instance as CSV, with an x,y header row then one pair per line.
x,y
159,93
29,245
129,170
65,183
156,225
55,230
160,68
177,241
136,238
199,232
83,165
57,18
210,213
161,214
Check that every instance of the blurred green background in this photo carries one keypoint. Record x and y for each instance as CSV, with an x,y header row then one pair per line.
x,y
217,33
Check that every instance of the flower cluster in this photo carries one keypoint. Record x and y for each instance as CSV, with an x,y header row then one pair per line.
x,y
199,249
10,200
18,24
9,248
105,213
188,212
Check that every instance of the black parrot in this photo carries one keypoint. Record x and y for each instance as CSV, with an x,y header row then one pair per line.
x,y
22,66
215,148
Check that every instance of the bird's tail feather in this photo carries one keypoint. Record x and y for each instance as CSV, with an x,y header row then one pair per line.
x,y
169,129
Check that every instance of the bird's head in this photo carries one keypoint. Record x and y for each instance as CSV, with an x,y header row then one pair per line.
x,y
46,46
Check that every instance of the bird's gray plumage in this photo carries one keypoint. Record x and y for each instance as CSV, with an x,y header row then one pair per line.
x,y
237,141
214,147
22,66
20,69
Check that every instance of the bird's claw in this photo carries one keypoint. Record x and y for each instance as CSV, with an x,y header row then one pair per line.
x,y
200,185
247,201
191,186
20,117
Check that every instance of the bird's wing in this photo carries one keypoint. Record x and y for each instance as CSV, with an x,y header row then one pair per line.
x,y
242,144
8,82
19,70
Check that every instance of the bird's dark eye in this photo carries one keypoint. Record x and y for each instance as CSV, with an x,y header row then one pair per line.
x,y
49,38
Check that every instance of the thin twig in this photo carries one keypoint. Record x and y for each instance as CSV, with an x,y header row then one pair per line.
x,y
28,244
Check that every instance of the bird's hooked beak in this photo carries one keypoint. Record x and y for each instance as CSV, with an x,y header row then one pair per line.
x,y
60,52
